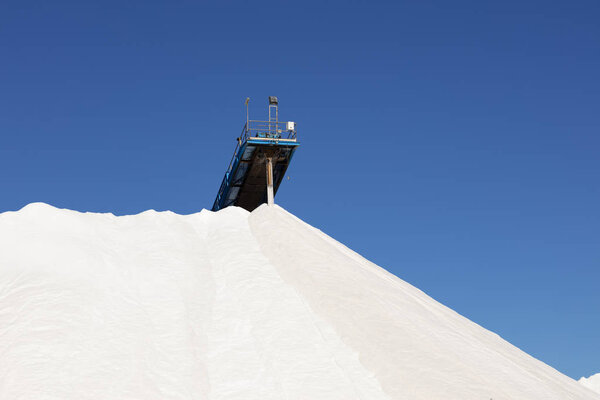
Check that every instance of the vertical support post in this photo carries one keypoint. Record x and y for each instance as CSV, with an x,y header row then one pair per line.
x,y
247,128
270,195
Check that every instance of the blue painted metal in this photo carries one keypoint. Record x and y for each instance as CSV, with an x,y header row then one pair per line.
x,y
258,138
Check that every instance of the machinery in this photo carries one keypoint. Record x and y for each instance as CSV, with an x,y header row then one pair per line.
x,y
263,153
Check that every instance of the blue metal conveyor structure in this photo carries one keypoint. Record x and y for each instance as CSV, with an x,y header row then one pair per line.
x,y
263,153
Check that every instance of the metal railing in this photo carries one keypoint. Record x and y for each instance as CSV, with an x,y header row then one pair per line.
x,y
268,129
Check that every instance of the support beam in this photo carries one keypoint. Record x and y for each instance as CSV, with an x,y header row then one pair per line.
x,y
270,195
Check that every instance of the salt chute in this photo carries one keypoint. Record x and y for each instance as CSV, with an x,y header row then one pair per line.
x,y
263,153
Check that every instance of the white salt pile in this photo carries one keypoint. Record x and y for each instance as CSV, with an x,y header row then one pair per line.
x,y
593,382
232,305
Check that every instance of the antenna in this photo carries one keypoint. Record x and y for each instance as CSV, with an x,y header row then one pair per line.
x,y
247,115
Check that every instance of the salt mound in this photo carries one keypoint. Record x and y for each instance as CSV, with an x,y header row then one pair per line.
x,y
593,382
231,305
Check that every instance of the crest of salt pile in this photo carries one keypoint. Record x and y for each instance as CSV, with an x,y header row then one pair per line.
x,y
232,305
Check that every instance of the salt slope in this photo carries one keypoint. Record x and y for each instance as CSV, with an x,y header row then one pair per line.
x,y
231,305
593,382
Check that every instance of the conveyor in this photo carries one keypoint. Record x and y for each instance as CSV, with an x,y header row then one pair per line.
x,y
263,153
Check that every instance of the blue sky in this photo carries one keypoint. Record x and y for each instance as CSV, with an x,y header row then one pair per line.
x,y
453,143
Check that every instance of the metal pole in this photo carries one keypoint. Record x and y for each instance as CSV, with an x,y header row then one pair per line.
x,y
270,195
247,115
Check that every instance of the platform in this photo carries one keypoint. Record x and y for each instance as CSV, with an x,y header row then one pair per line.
x,y
245,183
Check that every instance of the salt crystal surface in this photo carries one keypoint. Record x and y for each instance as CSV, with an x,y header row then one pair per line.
x,y
232,305
593,382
